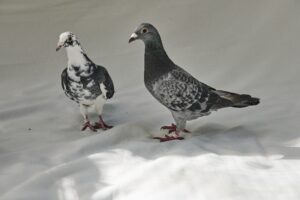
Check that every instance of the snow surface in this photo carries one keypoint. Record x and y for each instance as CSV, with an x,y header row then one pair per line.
x,y
242,46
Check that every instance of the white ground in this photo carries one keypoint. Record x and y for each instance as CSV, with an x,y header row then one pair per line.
x,y
243,46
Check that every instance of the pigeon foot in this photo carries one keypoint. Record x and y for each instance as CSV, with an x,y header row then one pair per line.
x,y
101,124
168,138
88,125
172,128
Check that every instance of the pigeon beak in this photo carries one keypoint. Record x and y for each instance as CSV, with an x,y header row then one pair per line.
x,y
58,47
133,37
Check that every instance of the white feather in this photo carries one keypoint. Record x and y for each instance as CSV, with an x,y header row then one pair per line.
x,y
103,89
99,103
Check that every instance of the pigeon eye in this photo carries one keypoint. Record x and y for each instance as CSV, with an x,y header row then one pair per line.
x,y
144,30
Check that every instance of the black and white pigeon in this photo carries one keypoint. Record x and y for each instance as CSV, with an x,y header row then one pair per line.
x,y
185,96
85,82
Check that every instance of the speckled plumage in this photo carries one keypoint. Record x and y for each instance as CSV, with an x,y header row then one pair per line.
x,y
87,88
186,97
83,81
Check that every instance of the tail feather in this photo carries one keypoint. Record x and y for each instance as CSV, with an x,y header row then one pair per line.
x,y
238,100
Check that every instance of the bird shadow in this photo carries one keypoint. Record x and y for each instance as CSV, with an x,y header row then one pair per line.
x,y
219,140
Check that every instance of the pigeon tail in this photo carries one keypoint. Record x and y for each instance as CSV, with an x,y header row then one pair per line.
x,y
239,100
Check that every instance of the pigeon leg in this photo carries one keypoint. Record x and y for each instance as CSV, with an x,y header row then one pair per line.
x,y
169,138
173,128
87,124
100,101
101,124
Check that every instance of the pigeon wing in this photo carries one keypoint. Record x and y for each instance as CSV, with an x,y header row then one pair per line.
x,y
105,81
179,91
64,80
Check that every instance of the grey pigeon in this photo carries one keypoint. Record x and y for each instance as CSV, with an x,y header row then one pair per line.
x,y
185,96
85,82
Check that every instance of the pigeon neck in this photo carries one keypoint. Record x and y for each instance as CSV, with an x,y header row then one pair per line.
x,y
76,55
154,44
79,64
157,63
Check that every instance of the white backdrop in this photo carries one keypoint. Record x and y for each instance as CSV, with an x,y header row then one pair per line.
x,y
249,46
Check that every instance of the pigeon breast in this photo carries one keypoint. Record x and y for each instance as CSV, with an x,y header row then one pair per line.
x,y
80,89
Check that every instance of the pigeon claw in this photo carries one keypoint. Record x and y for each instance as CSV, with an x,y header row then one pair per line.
x,y
88,125
133,37
168,138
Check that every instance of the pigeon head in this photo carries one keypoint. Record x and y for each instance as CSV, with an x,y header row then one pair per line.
x,y
147,33
66,39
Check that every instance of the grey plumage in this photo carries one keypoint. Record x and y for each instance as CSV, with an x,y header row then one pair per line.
x,y
186,97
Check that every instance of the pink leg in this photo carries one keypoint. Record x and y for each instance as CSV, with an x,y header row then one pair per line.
x,y
101,124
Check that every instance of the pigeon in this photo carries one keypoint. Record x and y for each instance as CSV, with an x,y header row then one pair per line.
x,y
185,96
84,82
